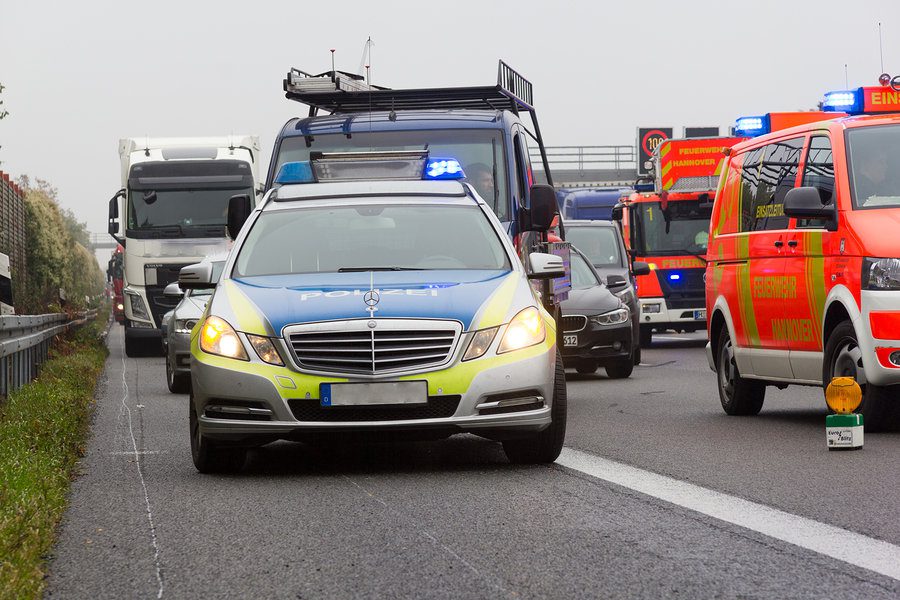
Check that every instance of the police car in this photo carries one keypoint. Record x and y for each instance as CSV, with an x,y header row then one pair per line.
x,y
375,292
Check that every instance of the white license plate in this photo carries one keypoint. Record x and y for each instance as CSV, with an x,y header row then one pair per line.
x,y
368,394
700,315
570,340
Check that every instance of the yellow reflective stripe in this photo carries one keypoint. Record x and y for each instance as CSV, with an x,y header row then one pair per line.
x,y
497,306
246,312
815,279
664,150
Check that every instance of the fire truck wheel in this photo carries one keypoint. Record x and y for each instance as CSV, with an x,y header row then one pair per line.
x,y
843,358
637,356
739,396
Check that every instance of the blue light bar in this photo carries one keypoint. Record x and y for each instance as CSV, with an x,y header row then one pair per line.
x,y
752,126
846,101
295,172
674,276
443,168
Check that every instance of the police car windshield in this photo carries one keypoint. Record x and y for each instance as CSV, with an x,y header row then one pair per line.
x,y
599,244
684,229
875,166
379,237
479,151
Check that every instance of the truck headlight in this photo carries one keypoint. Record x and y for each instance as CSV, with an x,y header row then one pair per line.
x,y
881,274
184,325
480,343
613,317
218,337
138,308
526,329
265,350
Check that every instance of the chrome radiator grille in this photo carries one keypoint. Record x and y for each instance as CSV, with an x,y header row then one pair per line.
x,y
356,347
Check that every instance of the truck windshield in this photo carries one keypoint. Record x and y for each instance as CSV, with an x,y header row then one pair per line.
x,y
875,166
376,238
682,229
179,213
479,151
599,244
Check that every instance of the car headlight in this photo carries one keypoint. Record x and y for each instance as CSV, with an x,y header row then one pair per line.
x,y
184,325
265,350
138,308
613,317
480,343
881,274
526,329
218,337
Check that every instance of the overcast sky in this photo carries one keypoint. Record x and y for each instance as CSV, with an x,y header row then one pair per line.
x,y
79,75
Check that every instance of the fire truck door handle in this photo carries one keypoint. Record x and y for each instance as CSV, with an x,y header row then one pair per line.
x,y
779,243
792,243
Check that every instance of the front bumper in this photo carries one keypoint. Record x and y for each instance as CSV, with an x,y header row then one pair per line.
x,y
179,349
269,391
598,342
877,350
674,318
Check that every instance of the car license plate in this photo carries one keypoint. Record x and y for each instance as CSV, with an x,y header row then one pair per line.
x,y
700,315
369,394
570,340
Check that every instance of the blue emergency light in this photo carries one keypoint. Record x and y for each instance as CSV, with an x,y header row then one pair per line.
x,y
674,276
295,172
752,126
845,101
443,168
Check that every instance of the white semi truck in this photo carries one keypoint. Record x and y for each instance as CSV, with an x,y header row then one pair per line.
x,y
171,212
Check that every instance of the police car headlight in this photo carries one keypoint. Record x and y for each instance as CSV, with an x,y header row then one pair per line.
x,y
613,317
184,325
526,329
218,337
881,274
480,343
265,350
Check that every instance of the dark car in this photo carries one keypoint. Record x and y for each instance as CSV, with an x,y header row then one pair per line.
x,y
602,243
597,329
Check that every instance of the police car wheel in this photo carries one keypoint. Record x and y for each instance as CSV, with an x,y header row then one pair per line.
x,y
210,457
843,358
544,447
739,396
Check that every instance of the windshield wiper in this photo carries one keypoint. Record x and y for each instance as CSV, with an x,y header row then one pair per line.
x,y
362,269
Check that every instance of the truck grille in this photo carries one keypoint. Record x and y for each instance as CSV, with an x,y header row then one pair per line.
x,y
389,346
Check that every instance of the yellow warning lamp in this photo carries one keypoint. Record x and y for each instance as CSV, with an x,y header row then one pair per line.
x,y
843,395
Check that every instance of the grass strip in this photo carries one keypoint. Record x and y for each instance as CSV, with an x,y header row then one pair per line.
x,y
43,428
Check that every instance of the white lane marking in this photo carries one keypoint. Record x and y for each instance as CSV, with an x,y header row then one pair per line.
x,y
844,545
137,462
141,453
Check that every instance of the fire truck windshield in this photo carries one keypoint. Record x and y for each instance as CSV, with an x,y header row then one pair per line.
x,y
683,228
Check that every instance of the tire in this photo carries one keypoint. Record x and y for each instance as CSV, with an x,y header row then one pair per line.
x,y
646,337
209,456
178,383
739,396
637,356
133,346
880,408
586,367
545,446
620,369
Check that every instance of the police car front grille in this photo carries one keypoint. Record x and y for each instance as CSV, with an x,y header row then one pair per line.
x,y
372,350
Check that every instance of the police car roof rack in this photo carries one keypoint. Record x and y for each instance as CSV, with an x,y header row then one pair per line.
x,y
340,92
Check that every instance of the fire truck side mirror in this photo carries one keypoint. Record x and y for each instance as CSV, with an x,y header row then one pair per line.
x,y
239,208
617,211
539,217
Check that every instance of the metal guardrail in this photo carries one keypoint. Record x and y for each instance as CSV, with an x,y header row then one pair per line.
x,y
584,158
25,344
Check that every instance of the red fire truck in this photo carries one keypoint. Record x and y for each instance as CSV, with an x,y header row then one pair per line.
x,y
114,275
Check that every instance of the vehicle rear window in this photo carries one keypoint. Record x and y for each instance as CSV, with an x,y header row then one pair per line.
x,y
874,161
402,237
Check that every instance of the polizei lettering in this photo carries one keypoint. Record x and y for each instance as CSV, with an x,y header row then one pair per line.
x,y
343,293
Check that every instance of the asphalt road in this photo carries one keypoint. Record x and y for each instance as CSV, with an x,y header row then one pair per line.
x,y
453,519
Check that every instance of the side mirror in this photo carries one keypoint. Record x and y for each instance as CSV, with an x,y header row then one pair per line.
x,y
239,208
615,281
196,277
173,291
640,268
113,226
617,212
806,203
545,266
539,216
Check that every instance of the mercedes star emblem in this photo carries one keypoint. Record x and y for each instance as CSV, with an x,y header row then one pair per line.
x,y
371,298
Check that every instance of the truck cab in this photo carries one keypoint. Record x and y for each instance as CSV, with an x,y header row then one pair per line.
x,y
481,127
171,212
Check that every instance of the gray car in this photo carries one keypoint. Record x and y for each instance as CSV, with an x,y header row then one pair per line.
x,y
177,325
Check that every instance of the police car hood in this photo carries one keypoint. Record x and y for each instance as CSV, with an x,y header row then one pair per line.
x,y
272,302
